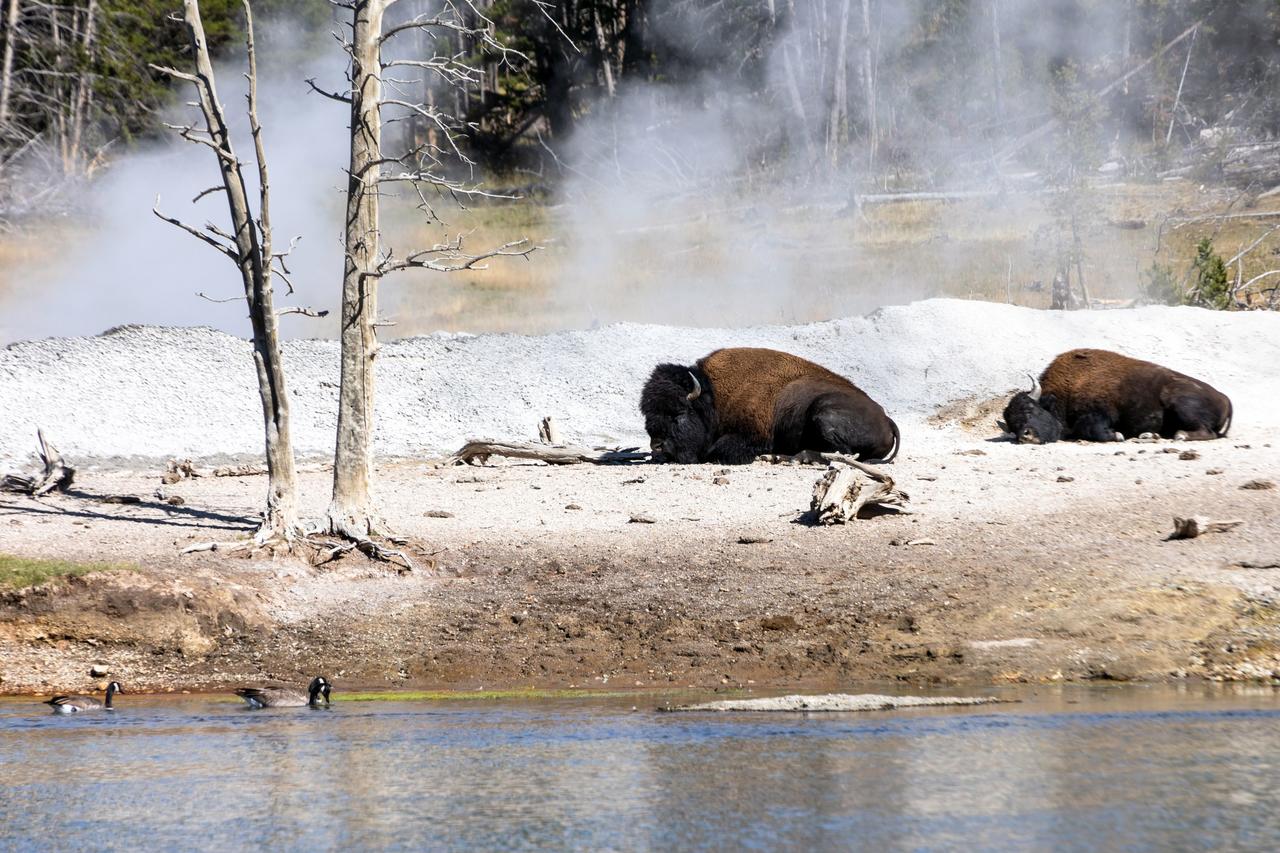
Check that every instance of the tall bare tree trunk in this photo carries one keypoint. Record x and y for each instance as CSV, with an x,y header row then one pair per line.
x,y
602,45
837,121
351,512
251,250
84,89
6,64
997,60
869,82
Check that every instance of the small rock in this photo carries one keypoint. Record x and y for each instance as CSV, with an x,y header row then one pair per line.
x,y
437,513
1065,479
1189,455
1213,471
122,499
972,452
634,482
572,506
170,477
1170,450
720,481
176,500
779,623
1258,485
641,518
754,539
98,670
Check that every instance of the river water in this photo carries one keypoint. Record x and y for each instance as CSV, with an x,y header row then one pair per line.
x,y
1133,768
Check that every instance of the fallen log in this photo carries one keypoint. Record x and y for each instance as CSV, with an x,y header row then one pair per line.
x,y
478,451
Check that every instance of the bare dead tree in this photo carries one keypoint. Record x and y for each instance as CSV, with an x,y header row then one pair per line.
x,y
837,121
6,62
373,88
869,84
249,246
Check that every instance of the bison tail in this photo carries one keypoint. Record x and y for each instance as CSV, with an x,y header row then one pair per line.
x,y
1226,423
897,441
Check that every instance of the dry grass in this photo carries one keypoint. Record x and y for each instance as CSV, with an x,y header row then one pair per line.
x,y
818,264
995,249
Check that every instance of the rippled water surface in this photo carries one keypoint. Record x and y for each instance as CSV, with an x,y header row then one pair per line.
x,y
1126,768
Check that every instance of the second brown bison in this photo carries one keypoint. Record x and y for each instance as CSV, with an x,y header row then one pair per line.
x,y
1097,395
736,404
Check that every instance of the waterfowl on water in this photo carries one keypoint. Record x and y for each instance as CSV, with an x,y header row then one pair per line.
x,y
76,704
286,697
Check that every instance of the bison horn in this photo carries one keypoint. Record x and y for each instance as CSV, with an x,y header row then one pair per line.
x,y
697,388
1035,387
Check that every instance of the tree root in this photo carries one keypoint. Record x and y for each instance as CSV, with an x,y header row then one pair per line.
x,y
314,542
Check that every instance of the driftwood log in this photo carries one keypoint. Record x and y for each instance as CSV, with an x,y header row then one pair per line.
x,y
478,452
846,490
56,474
1198,525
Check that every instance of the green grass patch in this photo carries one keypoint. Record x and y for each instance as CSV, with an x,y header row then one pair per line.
x,y
22,572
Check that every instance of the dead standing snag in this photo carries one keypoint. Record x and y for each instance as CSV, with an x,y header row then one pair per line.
x,y
352,513
249,246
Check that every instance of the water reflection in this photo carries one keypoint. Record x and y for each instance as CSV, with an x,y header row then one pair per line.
x,y
1121,770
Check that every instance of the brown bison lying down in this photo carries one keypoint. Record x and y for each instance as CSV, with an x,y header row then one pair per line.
x,y
735,404
1096,395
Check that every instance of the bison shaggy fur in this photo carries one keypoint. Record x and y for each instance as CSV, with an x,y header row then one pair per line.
x,y
736,404
1097,395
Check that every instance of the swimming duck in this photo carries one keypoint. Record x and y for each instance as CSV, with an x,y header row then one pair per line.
x,y
286,697
76,704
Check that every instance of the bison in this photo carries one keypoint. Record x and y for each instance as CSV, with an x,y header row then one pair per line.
x,y
736,404
1096,395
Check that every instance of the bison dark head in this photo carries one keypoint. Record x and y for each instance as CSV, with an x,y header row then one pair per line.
x,y
1029,416
678,414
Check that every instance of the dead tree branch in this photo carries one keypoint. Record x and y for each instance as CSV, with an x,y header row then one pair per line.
x,y
478,451
55,473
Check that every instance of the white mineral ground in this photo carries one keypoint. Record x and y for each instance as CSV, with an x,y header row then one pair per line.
x,y
1029,563
836,702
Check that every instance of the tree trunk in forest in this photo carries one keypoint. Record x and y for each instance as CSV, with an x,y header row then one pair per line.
x,y
251,250
84,90
6,64
602,45
837,120
351,511
869,82
997,60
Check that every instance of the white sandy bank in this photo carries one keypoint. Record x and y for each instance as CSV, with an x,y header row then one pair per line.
x,y
156,392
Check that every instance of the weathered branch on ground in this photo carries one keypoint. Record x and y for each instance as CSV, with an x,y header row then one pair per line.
x,y
55,474
845,491
176,470
1198,525
478,451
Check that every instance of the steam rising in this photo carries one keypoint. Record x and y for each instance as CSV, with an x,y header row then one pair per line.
x,y
672,205
129,267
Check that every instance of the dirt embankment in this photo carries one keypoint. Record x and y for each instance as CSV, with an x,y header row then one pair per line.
x,y
1029,563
